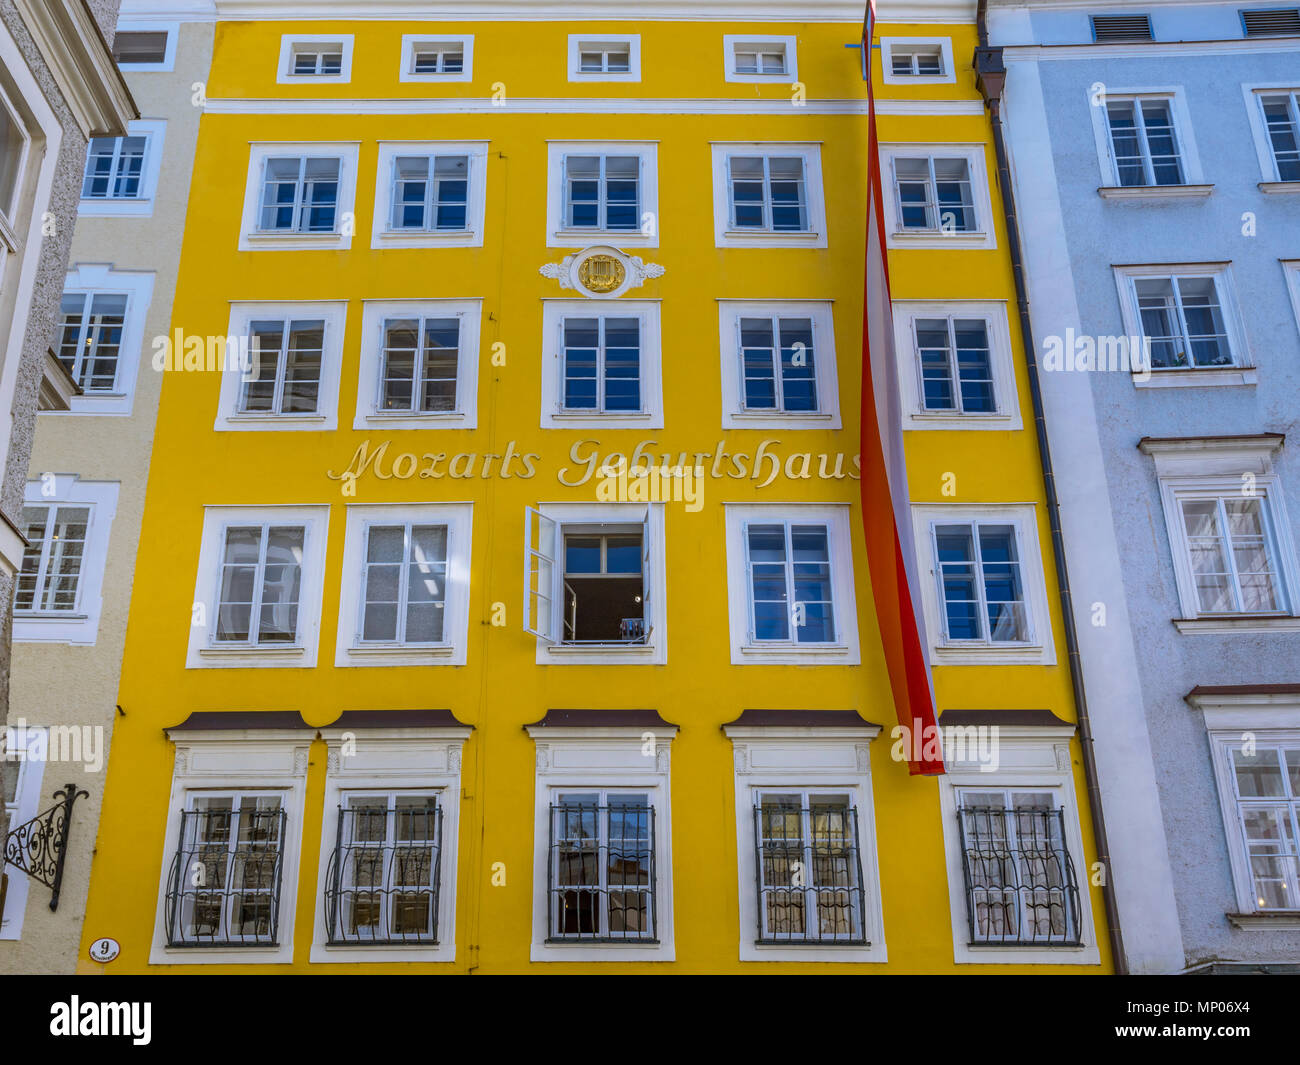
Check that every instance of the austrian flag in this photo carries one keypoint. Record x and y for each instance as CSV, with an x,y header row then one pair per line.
x,y
886,521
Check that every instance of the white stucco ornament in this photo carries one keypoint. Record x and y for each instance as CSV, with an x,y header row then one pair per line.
x,y
601,272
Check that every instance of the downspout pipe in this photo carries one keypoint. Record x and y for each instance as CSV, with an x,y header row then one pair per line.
x,y
990,72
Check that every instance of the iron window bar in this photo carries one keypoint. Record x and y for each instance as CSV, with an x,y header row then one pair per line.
x,y
224,883
601,876
821,897
1021,887
382,890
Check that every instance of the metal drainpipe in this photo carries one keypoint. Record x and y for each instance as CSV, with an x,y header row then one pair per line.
x,y
990,72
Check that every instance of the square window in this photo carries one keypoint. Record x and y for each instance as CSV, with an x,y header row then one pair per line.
x,y
594,582
280,367
984,594
427,58
405,593
602,189
917,60
936,196
601,368
299,196
238,842
315,58
790,584
602,845
430,195
419,364
384,875
50,576
1019,878
768,195
778,364
1143,141
758,59
1187,316
605,58
258,592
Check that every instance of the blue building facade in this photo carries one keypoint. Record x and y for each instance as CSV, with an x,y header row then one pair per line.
x,y
1154,160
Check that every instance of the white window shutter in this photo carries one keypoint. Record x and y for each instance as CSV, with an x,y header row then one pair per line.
x,y
539,575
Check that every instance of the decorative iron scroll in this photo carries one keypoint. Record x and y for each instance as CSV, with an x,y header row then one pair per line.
x,y
39,847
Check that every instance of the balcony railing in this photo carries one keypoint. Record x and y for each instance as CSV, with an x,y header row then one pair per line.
x,y
1021,888
383,879
224,883
809,874
601,872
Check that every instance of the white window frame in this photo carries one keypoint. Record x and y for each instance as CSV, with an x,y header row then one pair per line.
x,y
381,233
1190,468
374,313
97,278
560,235
942,44
726,237
597,759
289,45
1006,416
789,45
820,759
651,415
845,650
410,41
33,742
253,238
222,762
154,131
1040,648
203,652
231,419
1184,134
453,650
1270,179
734,414
408,759
1268,719
633,42
1033,758
1242,368
79,627
172,29
550,649
984,236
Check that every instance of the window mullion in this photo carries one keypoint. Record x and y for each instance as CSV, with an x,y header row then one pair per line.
x,y
420,367
431,195
282,368
810,913
789,583
259,579
602,192
980,590
767,192
43,565
776,363
1230,557
932,194
600,364
83,339
1144,146
300,195
954,369
1176,289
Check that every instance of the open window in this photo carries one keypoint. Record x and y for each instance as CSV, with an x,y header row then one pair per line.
x,y
589,583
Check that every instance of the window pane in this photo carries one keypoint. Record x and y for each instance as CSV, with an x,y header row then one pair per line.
x,y
756,347
768,582
281,579
812,583
581,338
1205,543
932,344
974,368
798,370
955,549
401,345
1002,588
302,367
622,364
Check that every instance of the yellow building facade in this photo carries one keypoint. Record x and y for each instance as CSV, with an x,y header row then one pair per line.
x,y
415,681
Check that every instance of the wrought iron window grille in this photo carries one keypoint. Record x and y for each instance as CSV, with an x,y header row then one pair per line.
x,y
224,883
1021,887
601,874
383,879
39,847
809,874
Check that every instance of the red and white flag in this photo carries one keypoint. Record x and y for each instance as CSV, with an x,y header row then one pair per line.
x,y
886,509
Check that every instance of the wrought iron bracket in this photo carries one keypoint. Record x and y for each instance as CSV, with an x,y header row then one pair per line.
x,y
39,847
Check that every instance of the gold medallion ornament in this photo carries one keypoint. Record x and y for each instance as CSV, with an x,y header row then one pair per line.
x,y
601,273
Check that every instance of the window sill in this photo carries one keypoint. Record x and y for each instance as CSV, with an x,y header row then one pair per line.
x,y
253,654
427,238
1206,376
1274,920
963,654
602,415
25,615
291,241
772,234
794,654
591,236
1238,623
1282,187
413,420
1154,192
921,421
601,648
112,208
265,419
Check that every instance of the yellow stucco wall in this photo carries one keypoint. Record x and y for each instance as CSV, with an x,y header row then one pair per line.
x,y
502,688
